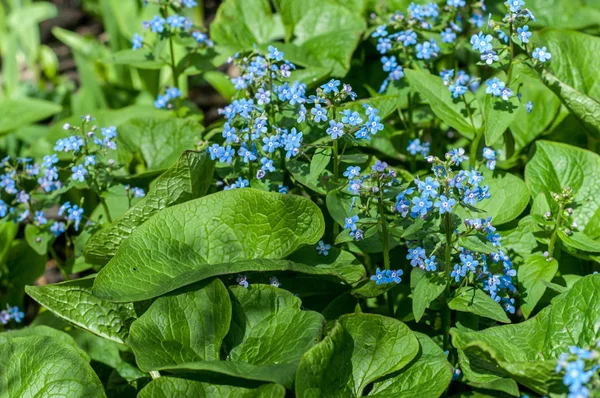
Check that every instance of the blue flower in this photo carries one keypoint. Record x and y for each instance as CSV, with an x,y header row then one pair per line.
x,y
351,172
227,154
271,143
462,77
490,155
506,93
320,114
430,264
283,189
421,205
215,151
3,209
57,228
494,87
262,96
457,90
90,160
380,277
267,165
157,24
502,36
351,223
136,42
323,248
138,192
383,45
448,35
331,86
481,42
351,118
335,129
489,57
468,262
176,21
455,3
416,255
355,186
515,5
380,31
389,63
16,314
275,54
40,218
428,188
524,34
190,3
457,155
242,280
79,173
301,114
458,272
427,50
477,20
447,75
541,54
161,101
394,275
529,106
444,204
379,166
373,124
508,304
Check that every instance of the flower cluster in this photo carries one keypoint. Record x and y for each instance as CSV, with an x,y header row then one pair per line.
x,y
374,184
580,366
9,313
387,276
458,85
415,147
408,34
252,136
438,196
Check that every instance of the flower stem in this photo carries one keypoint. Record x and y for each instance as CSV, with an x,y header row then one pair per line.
x,y
105,207
555,232
446,316
512,53
59,263
476,135
386,249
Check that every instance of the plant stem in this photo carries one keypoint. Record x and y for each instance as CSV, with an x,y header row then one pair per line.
x,y
512,53
476,135
386,249
336,167
59,264
105,207
555,232
446,310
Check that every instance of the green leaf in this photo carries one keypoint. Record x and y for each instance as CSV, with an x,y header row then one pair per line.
x,y
385,104
359,349
498,115
301,172
339,261
193,237
531,274
142,58
585,108
24,267
159,140
478,302
452,111
180,328
45,366
428,375
269,334
528,351
23,111
73,301
427,287
510,197
37,239
189,178
44,331
172,387
579,241
527,126
319,162
555,166
568,14
574,55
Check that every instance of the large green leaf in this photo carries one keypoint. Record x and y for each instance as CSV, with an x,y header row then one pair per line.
x,y
527,126
426,288
344,263
509,197
189,178
528,351
532,273
428,375
159,140
452,111
498,115
184,327
172,387
569,14
359,349
21,112
41,366
73,301
574,56
478,302
586,109
555,166
226,227
269,333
